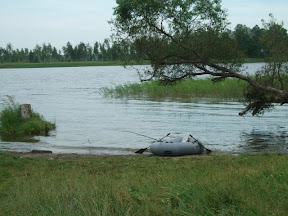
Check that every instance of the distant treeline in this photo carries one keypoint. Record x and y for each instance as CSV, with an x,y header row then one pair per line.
x,y
247,39
105,51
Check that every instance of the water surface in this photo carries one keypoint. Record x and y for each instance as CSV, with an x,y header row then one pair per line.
x,y
89,123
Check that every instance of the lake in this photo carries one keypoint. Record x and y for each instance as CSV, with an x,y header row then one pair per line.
x,y
87,122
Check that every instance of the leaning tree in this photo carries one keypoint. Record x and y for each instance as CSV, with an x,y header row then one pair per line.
x,y
187,38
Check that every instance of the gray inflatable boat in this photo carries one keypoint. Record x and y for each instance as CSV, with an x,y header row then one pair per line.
x,y
178,147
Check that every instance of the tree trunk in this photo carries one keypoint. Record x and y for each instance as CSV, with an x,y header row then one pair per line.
x,y
25,110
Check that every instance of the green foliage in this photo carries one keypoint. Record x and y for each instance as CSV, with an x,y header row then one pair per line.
x,y
12,125
275,39
46,53
181,39
184,39
186,89
248,40
137,185
274,74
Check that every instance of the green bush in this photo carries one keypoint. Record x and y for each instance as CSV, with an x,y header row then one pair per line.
x,y
12,125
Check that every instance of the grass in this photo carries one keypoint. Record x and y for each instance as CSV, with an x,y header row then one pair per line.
x,y
60,64
12,125
82,64
64,64
254,60
141,185
229,88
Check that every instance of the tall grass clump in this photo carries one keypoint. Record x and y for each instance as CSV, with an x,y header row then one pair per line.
x,y
227,89
12,125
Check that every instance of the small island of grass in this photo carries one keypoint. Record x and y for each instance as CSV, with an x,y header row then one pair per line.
x,y
199,88
13,125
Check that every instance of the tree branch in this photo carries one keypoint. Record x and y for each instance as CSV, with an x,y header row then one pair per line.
x,y
248,108
160,30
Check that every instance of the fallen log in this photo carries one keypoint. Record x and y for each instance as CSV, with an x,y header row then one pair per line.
x,y
41,152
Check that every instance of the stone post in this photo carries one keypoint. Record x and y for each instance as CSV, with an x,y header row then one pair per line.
x,y
25,110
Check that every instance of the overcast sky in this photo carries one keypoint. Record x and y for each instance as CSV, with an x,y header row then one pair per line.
x,y
25,23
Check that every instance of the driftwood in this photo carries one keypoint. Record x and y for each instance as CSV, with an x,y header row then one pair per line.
x,y
25,110
41,151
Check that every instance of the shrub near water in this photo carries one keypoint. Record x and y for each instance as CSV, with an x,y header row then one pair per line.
x,y
11,124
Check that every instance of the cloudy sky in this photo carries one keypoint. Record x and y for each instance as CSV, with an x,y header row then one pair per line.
x,y
25,23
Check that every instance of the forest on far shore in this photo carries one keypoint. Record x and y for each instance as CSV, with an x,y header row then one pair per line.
x,y
247,39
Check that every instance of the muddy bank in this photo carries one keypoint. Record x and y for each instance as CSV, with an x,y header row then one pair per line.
x,y
75,155
59,156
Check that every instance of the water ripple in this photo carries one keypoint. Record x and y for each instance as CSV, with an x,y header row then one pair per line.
x,y
88,122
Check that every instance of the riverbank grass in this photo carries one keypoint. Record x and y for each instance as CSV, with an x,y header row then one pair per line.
x,y
199,88
144,185
86,63
13,126
61,64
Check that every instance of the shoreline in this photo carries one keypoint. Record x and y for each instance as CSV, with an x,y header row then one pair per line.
x,y
60,64
85,64
62,155
68,156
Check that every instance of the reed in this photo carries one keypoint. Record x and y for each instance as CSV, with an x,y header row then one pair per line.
x,y
12,125
140,185
229,88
